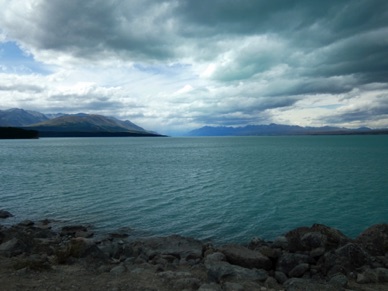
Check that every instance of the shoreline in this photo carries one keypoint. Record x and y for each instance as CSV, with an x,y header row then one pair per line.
x,y
44,254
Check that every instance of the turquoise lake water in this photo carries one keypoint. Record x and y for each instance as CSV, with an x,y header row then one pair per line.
x,y
226,189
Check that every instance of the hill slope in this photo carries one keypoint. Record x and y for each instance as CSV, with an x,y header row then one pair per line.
x,y
20,117
61,124
82,123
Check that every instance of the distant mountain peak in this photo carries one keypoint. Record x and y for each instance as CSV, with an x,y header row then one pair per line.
x,y
275,129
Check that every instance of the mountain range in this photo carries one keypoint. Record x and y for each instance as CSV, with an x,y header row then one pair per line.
x,y
80,124
279,129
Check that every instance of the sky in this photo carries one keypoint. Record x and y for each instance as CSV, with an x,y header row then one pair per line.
x,y
176,65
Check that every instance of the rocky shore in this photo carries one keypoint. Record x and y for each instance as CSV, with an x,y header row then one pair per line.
x,y
42,256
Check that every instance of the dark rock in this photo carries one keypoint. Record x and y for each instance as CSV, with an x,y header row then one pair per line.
x,y
299,239
280,242
344,260
170,275
255,243
271,283
218,271
299,270
280,277
174,245
313,240
374,239
186,284
5,214
80,248
339,281
229,286
318,252
298,284
272,253
115,249
210,287
34,262
244,257
15,247
382,275
378,275
215,257
118,270
76,231
355,255
26,223
289,261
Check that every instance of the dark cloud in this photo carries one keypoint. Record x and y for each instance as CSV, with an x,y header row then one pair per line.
x,y
376,110
91,29
88,104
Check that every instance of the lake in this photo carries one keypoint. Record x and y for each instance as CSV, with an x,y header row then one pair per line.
x,y
224,189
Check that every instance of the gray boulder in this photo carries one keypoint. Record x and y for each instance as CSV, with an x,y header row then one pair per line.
x,y
339,281
218,271
344,260
12,247
215,257
288,261
244,257
374,239
175,245
318,235
299,270
313,240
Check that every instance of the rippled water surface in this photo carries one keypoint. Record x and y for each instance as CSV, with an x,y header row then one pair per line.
x,y
228,189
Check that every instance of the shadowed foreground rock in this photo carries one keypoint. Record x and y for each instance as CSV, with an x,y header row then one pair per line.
x,y
33,256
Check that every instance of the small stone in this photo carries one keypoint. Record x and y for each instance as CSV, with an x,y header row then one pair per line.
x,y
228,286
339,280
362,279
272,253
318,252
120,269
216,257
219,270
271,283
299,270
186,284
280,277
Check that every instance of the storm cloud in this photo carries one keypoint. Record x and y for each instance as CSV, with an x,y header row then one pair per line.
x,y
175,65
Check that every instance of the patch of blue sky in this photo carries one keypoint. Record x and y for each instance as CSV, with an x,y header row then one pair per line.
x,y
13,60
330,106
